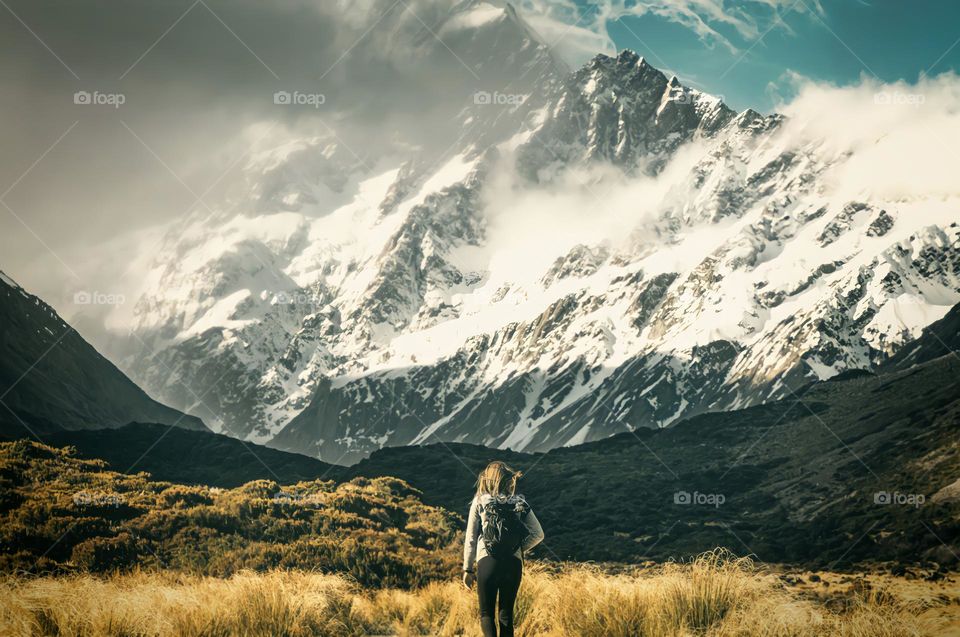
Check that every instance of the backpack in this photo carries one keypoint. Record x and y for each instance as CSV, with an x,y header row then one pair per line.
x,y
503,528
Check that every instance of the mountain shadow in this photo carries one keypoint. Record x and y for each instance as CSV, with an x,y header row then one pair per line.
x,y
51,379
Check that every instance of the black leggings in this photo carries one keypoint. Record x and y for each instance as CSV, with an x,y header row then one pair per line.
x,y
498,576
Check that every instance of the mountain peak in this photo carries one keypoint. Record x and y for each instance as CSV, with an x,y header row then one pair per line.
x,y
7,279
630,56
626,66
751,119
625,57
494,34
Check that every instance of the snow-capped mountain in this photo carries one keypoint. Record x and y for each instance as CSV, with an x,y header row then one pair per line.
x,y
602,250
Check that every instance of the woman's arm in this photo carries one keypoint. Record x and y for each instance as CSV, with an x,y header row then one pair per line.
x,y
473,534
536,531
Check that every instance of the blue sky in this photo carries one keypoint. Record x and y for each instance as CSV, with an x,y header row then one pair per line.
x,y
741,50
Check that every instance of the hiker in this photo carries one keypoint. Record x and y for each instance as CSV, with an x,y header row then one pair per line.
x,y
507,528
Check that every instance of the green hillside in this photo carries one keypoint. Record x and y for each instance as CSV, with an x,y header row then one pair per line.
x,y
64,514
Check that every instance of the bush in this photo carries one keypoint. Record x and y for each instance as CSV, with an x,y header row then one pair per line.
x,y
80,516
105,553
184,496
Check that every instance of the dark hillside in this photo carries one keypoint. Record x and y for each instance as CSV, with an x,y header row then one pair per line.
x,y
192,457
52,379
804,480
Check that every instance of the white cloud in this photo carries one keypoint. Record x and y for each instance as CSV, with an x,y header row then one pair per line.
x,y
903,139
386,81
582,28
530,226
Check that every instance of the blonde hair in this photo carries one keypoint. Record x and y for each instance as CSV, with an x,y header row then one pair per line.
x,y
498,479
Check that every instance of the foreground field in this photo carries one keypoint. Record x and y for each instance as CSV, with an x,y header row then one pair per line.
x,y
713,596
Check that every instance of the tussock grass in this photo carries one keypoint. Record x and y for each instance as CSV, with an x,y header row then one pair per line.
x,y
715,595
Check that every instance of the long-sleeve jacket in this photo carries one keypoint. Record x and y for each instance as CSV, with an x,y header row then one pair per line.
x,y
473,546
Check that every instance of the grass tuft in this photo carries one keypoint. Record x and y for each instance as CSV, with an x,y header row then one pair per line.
x,y
715,595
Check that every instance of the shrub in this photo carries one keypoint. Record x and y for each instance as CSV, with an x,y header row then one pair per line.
x,y
105,553
78,515
184,496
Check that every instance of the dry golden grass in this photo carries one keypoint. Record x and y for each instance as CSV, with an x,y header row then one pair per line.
x,y
715,595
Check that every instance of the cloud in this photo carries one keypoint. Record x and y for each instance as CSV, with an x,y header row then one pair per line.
x,y
192,77
532,225
900,141
581,27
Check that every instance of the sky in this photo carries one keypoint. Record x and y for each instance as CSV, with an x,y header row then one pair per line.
x,y
750,51
78,182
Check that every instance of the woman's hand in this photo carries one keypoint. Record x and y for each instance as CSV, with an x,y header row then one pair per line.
x,y
469,578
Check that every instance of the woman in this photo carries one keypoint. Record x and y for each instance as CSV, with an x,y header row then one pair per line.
x,y
501,527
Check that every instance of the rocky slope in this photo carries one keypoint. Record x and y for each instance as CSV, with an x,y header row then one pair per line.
x,y
52,379
602,251
940,338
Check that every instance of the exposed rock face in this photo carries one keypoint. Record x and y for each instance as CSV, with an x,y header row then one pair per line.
x,y
623,110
